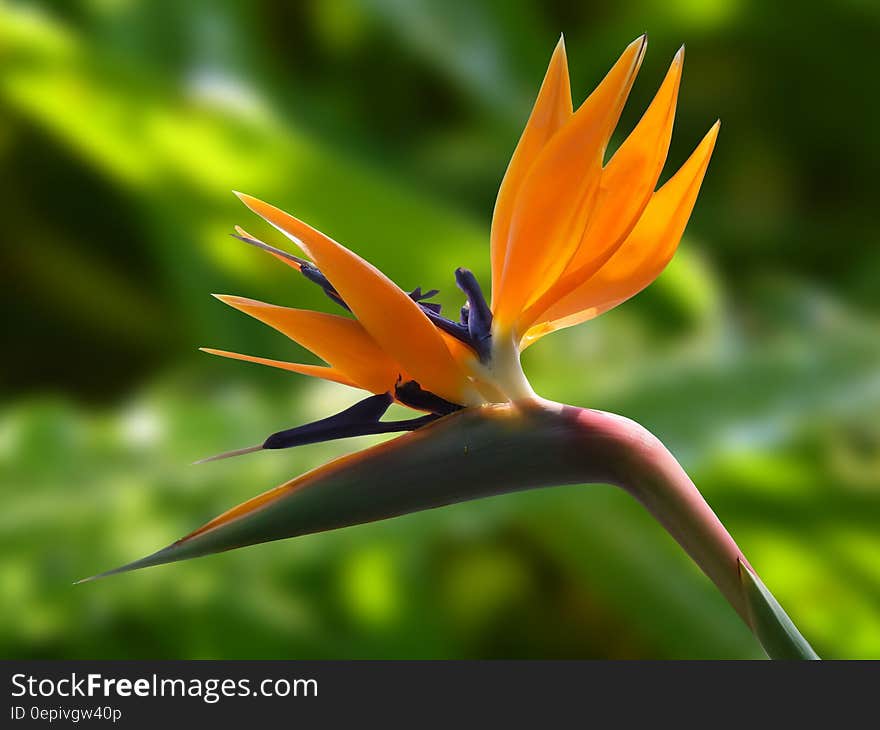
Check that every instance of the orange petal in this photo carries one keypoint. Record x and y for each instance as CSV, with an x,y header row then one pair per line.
x,y
393,320
551,111
339,341
644,254
627,184
558,195
316,371
463,354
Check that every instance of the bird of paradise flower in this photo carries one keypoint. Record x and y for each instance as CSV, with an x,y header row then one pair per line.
x,y
572,236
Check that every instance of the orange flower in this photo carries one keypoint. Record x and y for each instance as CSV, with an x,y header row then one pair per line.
x,y
571,238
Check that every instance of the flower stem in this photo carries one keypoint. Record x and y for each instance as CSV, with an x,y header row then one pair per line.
x,y
644,467
638,462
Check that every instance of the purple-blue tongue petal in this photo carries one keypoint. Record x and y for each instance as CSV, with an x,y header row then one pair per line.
x,y
359,420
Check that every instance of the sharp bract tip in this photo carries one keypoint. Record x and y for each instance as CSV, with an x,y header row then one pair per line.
x,y
229,454
296,260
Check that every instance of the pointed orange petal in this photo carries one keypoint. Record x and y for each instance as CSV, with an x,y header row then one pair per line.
x,y
394,320
557,197
316,371
463,354
551,111
627,185
339,341
644,254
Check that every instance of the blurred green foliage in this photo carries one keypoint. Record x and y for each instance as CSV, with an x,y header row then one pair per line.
x,y
388,124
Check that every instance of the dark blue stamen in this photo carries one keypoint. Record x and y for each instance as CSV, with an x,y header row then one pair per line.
x,y
479,316
270,249
458,331
418,297
306,268
416,294
359,420
430,307
313,274
411,394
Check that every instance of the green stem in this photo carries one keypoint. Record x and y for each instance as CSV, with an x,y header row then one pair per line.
x,y
645,468
639,463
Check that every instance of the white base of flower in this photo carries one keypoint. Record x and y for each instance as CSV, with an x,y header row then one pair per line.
x,y
504,371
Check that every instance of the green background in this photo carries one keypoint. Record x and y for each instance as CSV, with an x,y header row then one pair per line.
x,y
388,124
